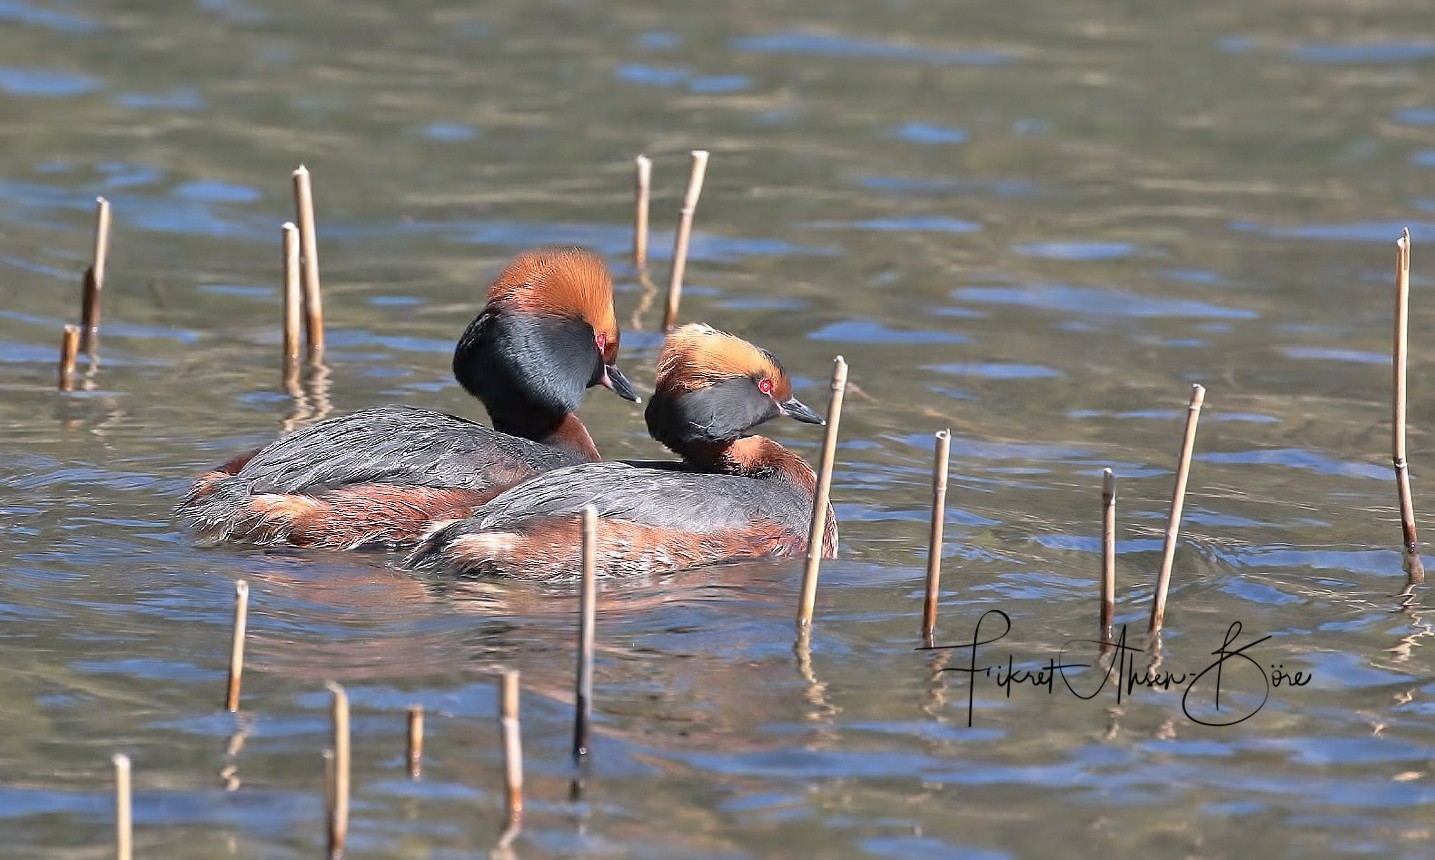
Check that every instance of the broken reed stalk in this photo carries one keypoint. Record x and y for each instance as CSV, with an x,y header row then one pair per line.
x,y
124,820
293,300
1108,555
236,651
587,612
94,279
512,730
818,527
1178,503
69,349
934,544
684,234
339,811
416,741
644,167
309,253
1399,365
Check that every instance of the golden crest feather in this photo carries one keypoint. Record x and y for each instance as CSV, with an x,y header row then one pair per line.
x,y
564,281
697,355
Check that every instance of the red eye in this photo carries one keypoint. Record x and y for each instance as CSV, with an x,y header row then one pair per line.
x,y
765,386
602,340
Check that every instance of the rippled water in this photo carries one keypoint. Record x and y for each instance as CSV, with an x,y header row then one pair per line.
x,y
1037,224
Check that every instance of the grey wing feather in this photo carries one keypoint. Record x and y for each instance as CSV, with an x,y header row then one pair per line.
x,y
657,497
390,444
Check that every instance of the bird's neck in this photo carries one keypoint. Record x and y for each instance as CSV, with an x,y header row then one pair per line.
x,y
754,457
571,436
526,371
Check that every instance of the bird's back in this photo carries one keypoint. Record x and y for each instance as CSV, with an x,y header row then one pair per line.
x,y
373,478
397,445
653,494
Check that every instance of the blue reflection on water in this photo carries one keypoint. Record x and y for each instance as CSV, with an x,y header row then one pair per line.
x,y
45,83
827,45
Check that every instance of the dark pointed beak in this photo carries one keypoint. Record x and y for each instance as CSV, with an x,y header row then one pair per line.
x,y
794,408
614,380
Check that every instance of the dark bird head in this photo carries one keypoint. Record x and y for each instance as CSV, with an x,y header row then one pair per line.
x,y
547,333
713,388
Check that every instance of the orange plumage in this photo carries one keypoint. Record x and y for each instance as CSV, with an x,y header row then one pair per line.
x,y
697,355
561,281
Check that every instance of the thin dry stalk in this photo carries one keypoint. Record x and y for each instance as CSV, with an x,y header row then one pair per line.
x,y
508,722
328,757
236,651
94,280
1108,555
293,302
1178,504
69,349
934,544
644,167
124,819
818,527
416,741
102,240
684,234
309,253
339,814
1400,366
587,613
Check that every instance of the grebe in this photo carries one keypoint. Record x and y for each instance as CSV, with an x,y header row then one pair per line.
x,y
733,496
378,477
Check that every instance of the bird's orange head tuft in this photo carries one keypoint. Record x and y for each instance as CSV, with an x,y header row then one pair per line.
x,y
698,356
571,282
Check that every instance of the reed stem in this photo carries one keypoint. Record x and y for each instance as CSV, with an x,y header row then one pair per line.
x,y
684,234
1178,504
309,253
587,612
816,532
94,280
236,650
934,543
512,729
339,813
1108,555
416,741
124,819
293,302
69,349
644,167
1400,366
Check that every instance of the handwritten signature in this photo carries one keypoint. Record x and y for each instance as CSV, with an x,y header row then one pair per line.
x,y
1201,702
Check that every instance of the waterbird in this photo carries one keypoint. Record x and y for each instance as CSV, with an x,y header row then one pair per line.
x,y
379,477
733,496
